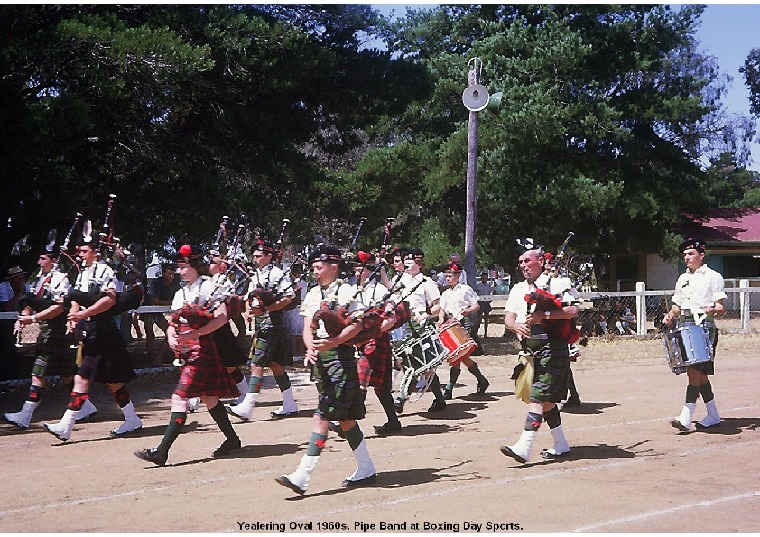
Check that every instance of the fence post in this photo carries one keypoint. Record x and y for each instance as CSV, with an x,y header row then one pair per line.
x,y
744,303
641,309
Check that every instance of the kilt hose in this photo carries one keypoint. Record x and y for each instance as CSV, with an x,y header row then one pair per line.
x,y
375,363
708,368
340,395
551,372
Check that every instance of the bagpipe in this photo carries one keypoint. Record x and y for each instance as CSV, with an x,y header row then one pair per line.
x,y
544,300
264,296
128,299
336,317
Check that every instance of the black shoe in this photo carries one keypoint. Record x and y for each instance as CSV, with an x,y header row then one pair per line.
x,y
227,447
398,405
509,453
276,415
680,426
549,456
437,406
349,483
387,428
152,455
483,385
285,482
446,394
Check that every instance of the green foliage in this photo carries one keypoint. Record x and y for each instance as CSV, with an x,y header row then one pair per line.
x,y
751,72
606,112
730,185
186,113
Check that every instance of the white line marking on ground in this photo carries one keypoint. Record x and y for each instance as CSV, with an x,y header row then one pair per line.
x,y
652,514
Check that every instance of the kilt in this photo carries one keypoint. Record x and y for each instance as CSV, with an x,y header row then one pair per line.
x,y
206,374
228,348
54,354
340,395
375,363
708,368
272,343
551,372
104,355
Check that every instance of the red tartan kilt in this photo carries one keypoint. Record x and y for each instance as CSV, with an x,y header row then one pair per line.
x,y
206,375
234,306
374,363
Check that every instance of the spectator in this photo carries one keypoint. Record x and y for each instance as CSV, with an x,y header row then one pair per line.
x,y
11,291
483,288
162,291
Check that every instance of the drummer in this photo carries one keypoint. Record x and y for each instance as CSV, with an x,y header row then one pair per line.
x,y
423,297
698,298
458,301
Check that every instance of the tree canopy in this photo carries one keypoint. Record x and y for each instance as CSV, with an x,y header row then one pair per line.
x,y
264,112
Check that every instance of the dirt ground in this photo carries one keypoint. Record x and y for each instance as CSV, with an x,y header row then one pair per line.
x,y
628,471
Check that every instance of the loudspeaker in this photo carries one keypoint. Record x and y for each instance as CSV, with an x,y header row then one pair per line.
x,y
494,101
475,98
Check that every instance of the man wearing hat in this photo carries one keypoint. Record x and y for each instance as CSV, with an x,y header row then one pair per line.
x,y
104,354
227,344
375,357
458,302
423,296
340,395
54,354
199,312
698,299
11,291
551,357
271,344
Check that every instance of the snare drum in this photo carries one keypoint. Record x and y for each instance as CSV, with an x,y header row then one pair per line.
x,y
687,346
419,358
457,341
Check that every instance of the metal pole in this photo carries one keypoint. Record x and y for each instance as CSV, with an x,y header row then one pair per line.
x,y
472,185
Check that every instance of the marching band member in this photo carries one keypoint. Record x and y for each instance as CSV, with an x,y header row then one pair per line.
x,y
698,291
375,357
204,374
423,297
551,273
551,356
54,352
104,354
233,356
458,302
272,343
340,395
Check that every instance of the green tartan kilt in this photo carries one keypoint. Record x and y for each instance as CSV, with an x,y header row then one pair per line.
x,y
551,373
708,368
272,341
54,352
340,395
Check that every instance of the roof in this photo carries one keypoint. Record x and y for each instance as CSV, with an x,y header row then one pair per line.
x,y
724,226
